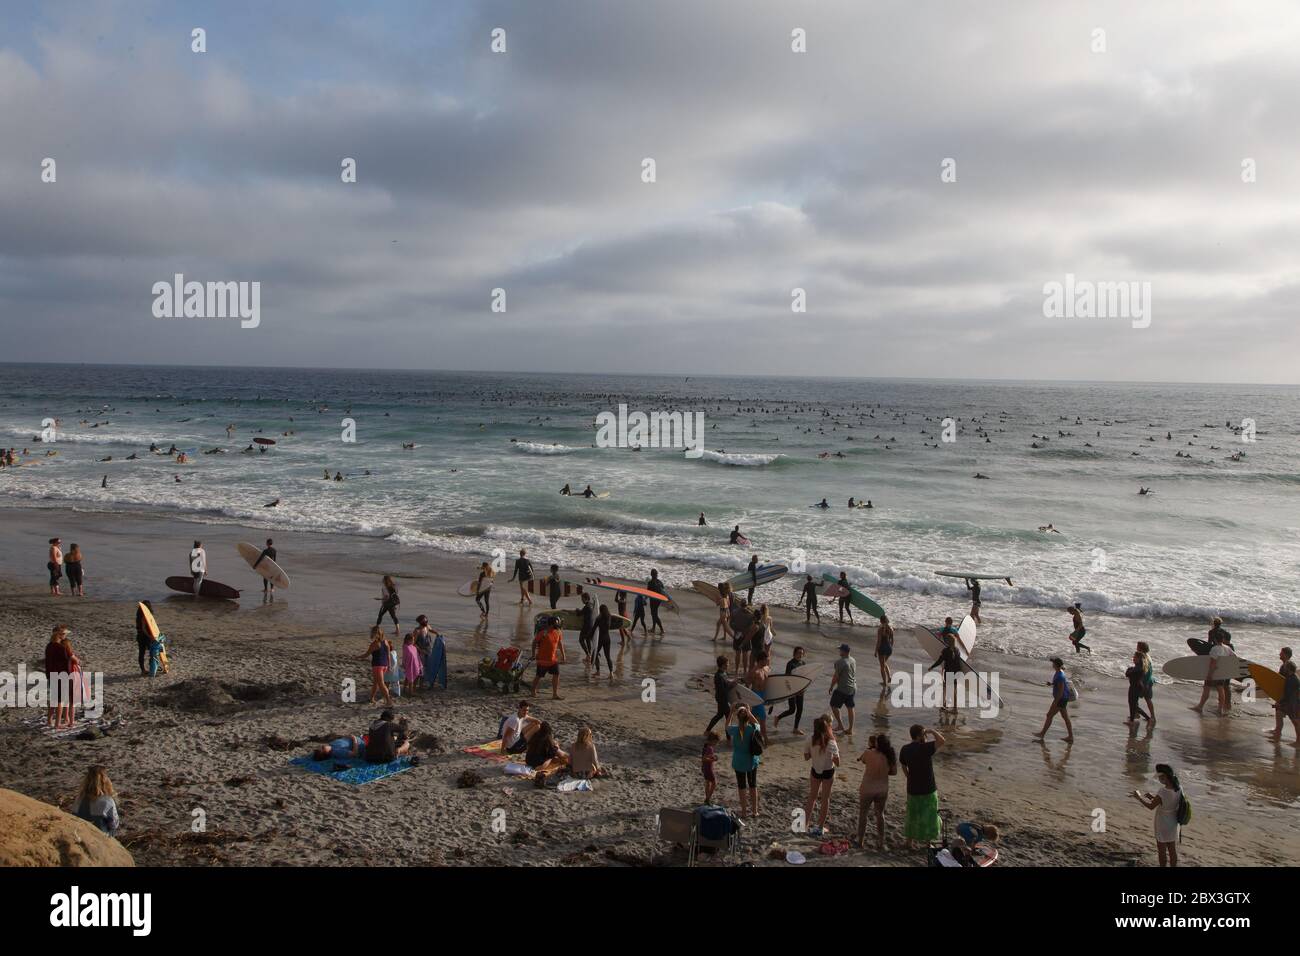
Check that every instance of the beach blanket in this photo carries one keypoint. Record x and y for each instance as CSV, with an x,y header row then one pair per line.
x,y
38,722
488,751
357,771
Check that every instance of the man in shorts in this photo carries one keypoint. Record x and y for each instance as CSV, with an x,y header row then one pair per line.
x,y
843,686
516,730
548,648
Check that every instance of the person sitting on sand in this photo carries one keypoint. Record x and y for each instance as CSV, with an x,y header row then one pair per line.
x,y
518,729
388,740
95,801
543,755
584,762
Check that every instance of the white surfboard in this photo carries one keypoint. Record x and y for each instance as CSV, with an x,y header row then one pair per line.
x,y
740,694
966,634
1197,667
784,686
266,567
470,588
933,646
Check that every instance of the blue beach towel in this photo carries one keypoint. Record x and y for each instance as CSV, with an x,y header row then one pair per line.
x,y
357,771
435,664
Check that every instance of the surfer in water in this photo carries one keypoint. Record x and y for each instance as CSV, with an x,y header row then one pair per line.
x,y
735,534
566,491
588,493
823,504
1145,491
703,523
272,504
268,553
1079,632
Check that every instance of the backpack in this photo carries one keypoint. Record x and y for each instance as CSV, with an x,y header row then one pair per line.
x,y
1184,810
755,743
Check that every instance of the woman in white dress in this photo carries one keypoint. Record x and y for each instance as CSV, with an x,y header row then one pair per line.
x,y
1165,804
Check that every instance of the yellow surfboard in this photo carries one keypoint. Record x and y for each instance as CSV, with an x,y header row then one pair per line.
x,y
150,625
1267,680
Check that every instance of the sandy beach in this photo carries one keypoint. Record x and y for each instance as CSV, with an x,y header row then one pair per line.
x,y
253,685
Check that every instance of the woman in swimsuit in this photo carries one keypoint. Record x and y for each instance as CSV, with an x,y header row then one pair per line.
x,y
55,565
73,566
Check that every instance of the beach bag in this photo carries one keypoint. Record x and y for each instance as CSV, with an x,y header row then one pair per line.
x,y
756,743
716,823
1071,695
1184,816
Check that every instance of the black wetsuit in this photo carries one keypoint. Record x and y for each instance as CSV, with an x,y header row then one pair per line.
x,y
810,600
721,691
388,606
795,706
588,625
654,584
602,643
753,578
266,553
554,589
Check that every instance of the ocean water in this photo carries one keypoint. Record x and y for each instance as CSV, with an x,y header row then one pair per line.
x,y
492,450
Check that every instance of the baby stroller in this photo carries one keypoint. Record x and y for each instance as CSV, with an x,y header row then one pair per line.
x,y
506,672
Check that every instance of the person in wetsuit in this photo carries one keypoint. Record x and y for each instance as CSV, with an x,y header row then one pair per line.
x,y
950,659
735,534
703,523
269,553
588,627
524,572
973,586
808,598
656,585
753,577
553,586
1077,635
602,641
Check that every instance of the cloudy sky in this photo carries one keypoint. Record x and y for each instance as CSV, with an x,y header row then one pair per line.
x,y
776,170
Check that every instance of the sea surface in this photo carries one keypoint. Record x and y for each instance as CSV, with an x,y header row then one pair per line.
x,y
492,450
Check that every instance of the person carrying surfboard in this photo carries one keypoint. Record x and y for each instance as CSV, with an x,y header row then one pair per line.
x,y
950,659
656,585
198,566
753,577
267,553
973,586
844,605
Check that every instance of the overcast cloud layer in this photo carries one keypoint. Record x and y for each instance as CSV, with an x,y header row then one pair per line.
x,y
776,170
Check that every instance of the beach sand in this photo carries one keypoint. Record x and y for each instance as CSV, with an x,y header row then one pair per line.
x,y
201,756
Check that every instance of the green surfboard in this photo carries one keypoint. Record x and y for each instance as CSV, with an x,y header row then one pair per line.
x,y
856,598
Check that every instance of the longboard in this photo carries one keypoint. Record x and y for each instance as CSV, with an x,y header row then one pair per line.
x,y
974,576
209,589
966,634
630,588
1268,680
765,574
150,625
784,686
1197,667
470,588
932,645
266,567
856,598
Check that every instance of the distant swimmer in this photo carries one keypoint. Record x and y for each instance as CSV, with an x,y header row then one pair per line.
x,y
327,474
852,503
822,504
250,448
176,478
588,493
703,523
153,447
271,504
338,476
980,475
735,534
566,490
1145,491
104,483
109,458
408,445
868,504
132,457
1048,528
1079,632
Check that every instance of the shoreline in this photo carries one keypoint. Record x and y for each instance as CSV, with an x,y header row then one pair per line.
x,y
292,655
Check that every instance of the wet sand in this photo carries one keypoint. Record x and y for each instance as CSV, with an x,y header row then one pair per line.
x,y
253,678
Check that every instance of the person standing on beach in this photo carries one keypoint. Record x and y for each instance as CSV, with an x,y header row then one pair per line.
x,y
1137,679
1062,694
1289,705
844,685
602,626
917,759
1220,648
950,659
753,577
524,572
620,602
884,651
58,670
824,753
72,564
878,764
1077,635
412,665
795,704
638,614
548,649
268,553
1166,804
54,564
389,602
724,612
759,671
808,598
553,585
746,755
1148,681
198,566
656,585
483,588
588,612
844,605
709,763
378,654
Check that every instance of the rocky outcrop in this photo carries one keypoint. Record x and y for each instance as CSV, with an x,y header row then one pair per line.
x,y
36,834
